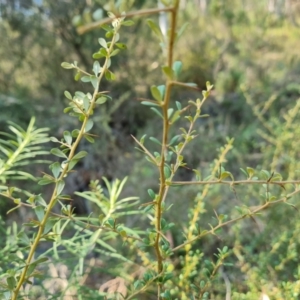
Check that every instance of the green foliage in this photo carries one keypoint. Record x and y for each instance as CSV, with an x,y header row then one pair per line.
x,y
187,240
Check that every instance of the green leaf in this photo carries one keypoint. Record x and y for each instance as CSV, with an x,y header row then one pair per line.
x,y
49,225
151,194
115,52
101,100
168,72
178,105
54,139
157,112
66,65
182,30
174,139
155,140
75,133
60,186
121,46
162,89
127,23
72,164
98,55
56,169
79,155
102,42
106,27
40,212
226,174
89,139
58,152
22,236
45,181
11,282
94,81
265,174
170,112
68,95
148,103
250,172
89,125
177,66
154,27
109,34
96,68
77,76
68,137
86,78
110,75
156,93
167,171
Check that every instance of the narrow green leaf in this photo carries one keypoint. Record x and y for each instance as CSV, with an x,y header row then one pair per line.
x,y
167,171
177,66
115,52
22,236
68,137
250,172
102,42
182,30
56,169
155,93
155,140
66,65
58,152
98,55
174,139
11,282
94,81
77,76
151,194
89,125
101,100
162,90
121,46
154,27
45,181
72,164
96,68
148,103
89,139
75,133
170,112
157,112
60,186
86,78
40,212
106,27
128,23
68,95
79,155
168,72
178,105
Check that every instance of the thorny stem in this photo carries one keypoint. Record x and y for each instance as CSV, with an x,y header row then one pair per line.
x,y
53,199
91,26
250,214
232,183
163,187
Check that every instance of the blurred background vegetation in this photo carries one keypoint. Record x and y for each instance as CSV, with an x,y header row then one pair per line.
x,y
248,49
